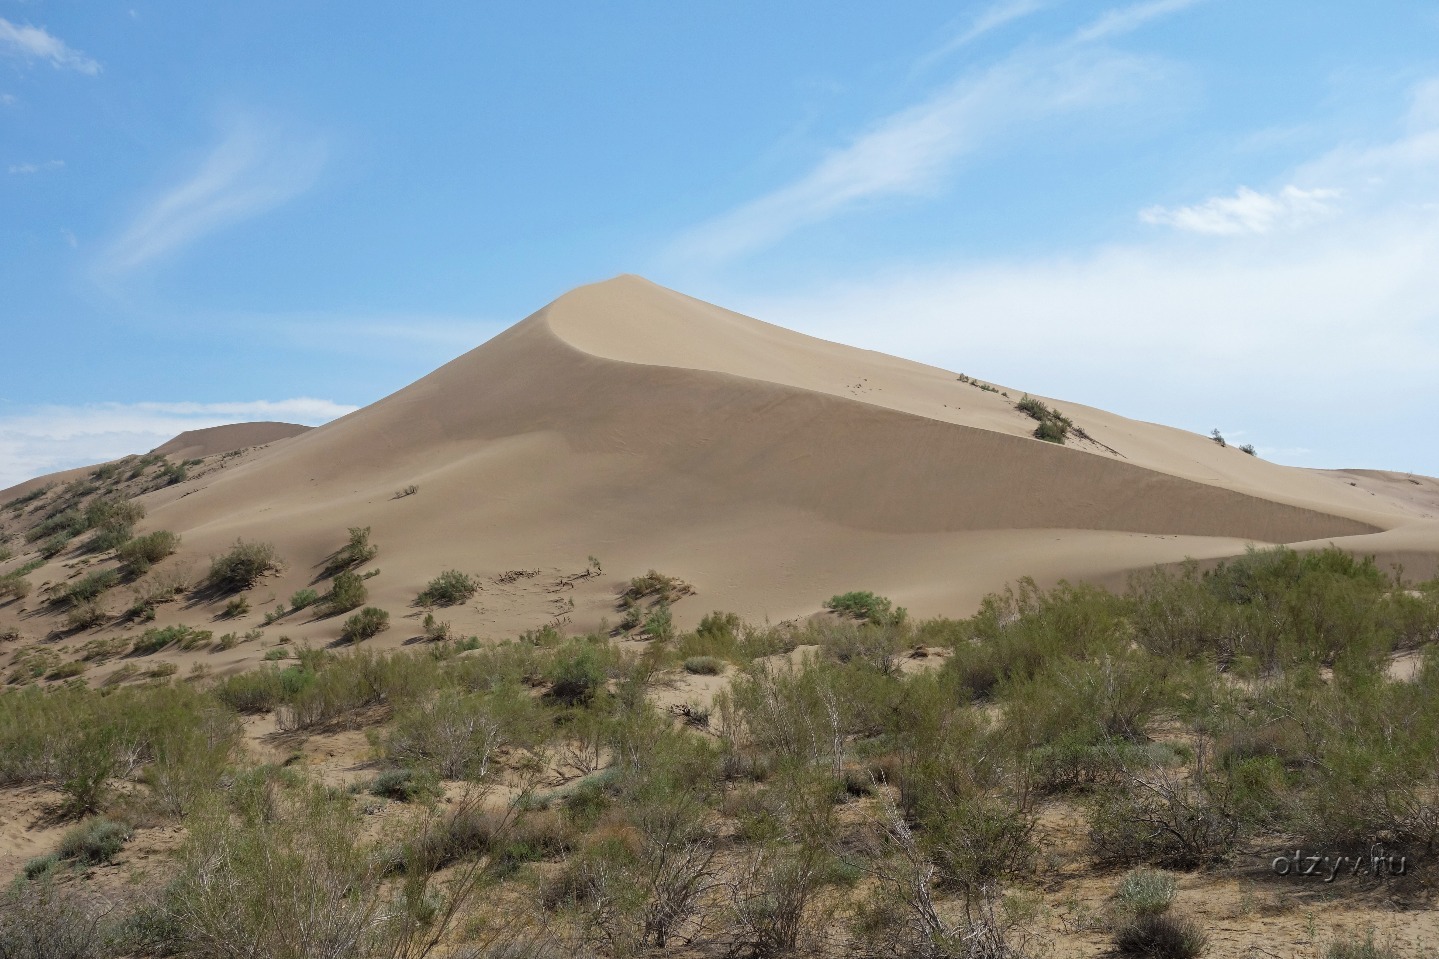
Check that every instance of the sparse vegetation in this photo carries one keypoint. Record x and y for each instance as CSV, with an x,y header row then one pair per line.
x,y
1053,426
137,555
450,588
358,551
1217,437
827,802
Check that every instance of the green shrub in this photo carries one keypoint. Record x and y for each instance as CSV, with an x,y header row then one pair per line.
x,y
303,598
139,554
1160,936
866,606
347,592
157,638
1146,891
659,623
1368,949
356,552
448,589
14,586
366,624
238,606
55,545
95,841
68,670
704,665
90,586
242,566
39,868
578,674
1053,426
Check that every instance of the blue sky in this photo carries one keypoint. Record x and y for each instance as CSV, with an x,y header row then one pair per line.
x,y
1206,213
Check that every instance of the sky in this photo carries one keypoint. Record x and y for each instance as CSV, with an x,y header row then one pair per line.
x,y
1204,213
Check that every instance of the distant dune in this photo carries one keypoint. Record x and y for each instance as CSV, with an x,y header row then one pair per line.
x,y
768,469
194,444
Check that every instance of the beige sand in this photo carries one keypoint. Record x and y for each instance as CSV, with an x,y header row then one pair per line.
x,y
769,469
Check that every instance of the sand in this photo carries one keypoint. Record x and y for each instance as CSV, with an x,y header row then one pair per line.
x,y
769,469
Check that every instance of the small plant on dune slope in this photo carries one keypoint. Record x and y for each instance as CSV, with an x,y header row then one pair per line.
x,y
367,623
358,551
137,555
1053,427
242,566
347,592
866,606
448,589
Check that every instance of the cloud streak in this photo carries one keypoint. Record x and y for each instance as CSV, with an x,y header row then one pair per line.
x,y
249,172
35,43
1128,19
50,438
1248,211
912,152
25,169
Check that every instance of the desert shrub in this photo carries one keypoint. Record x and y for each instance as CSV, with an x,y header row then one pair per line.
x,y
172,473
94,841
366,624
665,589
67,670
86,615
358,551
578,674
659,623
1249,448
54,545
1165,818
1053,426
242,566
1146,891
448,589
347,592
704,665
405,785
13,586
43,920
67,524
262,690
157,638
303,598
771,900
435,629
137,555
39,867
866,606
1160,936
90,586
456,734
1356,949
238,606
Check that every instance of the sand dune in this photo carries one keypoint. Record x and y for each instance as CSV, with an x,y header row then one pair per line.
x,y
769,469
195,444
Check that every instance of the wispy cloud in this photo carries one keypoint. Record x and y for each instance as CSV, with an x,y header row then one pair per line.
x,y
990,19
1247,211
8,99
49,438
24,169
1127,19
35,43
250,171
912,152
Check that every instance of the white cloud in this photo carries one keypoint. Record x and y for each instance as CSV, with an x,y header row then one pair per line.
x,y
250,171
1248,211
35,43
1127,19
8,99
24,169
50,438
990,19
911,152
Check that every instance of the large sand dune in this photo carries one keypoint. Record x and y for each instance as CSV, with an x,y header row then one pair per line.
x,y
769,469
